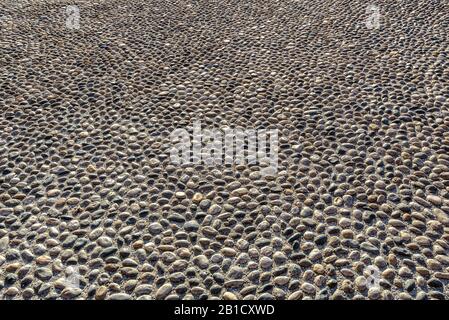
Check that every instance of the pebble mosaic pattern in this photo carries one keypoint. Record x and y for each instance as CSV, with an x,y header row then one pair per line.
x,y
86,182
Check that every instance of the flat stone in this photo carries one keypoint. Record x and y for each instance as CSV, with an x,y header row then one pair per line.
x,y
369,247
308,288
119,296
155,228
43,273
100,293
434,200
201,261
229,296
4,243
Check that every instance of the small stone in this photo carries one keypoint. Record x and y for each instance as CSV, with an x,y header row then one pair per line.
x,y
239,192
119,296
388,273
297,295
435,283
433,264
442,275
409,285
214,209
11,292
281,280
321,240
423,241
143,289
197,197
53,193
396,223
266,262
100,293
155,228
441,216
434,200
43,273
374,293
361,283
369,247
71,292
347,234
308,288
43,260
4,243
228,252
191,226
229,296
201,261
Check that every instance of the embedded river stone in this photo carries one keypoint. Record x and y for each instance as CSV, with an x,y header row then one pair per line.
x,y
92,206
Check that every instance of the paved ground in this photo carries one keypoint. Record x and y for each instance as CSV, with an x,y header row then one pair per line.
x,y
91,205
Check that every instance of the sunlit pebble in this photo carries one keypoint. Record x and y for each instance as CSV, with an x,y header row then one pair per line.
x,y
86,179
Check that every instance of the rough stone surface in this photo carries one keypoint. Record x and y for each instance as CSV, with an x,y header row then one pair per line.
x,y
92,207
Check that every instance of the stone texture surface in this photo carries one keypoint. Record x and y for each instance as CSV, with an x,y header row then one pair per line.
x,y
92,208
